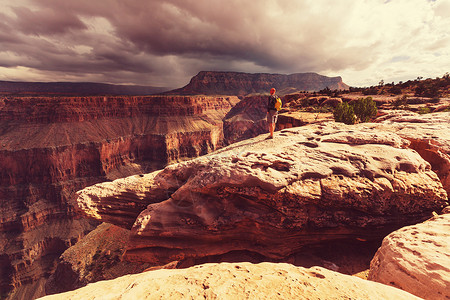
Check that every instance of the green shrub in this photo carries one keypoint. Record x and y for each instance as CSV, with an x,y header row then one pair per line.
x,y
344,113
424,110
365,109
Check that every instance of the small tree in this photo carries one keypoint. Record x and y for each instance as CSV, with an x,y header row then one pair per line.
x,y
365,109
344,113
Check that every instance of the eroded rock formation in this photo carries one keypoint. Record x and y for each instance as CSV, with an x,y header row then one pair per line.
x,y
247,119
52,147
97,256
237,281
416,259
428,134
272,197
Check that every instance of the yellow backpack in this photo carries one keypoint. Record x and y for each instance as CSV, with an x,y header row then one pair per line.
x,y
278,104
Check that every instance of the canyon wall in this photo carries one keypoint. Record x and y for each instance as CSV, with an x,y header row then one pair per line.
x,y
52,147
74,88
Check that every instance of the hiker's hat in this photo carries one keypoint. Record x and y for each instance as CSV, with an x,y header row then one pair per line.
x,y
272,90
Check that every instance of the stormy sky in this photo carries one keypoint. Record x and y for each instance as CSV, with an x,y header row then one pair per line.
x,y
165,43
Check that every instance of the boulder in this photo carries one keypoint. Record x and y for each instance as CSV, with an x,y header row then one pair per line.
x,y
237,281
416,259
272,197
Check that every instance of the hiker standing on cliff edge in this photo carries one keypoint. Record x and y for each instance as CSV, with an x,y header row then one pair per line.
x,y
272,113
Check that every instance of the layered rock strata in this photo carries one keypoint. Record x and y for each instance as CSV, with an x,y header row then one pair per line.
x,y
74,88
272,197
242,84
237,281
52,147
416,259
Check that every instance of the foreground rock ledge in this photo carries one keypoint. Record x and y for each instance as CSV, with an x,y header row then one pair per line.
x,y
272,197
237,281
416,259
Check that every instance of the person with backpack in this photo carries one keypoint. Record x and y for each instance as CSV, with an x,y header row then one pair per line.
x,y
273,106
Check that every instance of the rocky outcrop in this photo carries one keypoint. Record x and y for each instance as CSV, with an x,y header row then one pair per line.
x,y
246,119
428,135
235,83
52,147
416,259
237,281
272,197
97,256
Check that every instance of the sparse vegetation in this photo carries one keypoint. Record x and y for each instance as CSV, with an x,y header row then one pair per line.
x,y
344,113
401,102
363,110
424,110
429,88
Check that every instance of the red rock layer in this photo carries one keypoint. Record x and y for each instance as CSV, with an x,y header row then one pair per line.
x,y
52,147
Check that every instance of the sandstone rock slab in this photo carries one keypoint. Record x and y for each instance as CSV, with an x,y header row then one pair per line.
x,y
272,197
428,135
416,259
237,281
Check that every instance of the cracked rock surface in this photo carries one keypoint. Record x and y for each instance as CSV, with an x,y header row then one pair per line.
x,y
416,259
272,197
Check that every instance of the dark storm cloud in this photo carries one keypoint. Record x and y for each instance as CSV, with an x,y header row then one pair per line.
x,y
46,21
167,42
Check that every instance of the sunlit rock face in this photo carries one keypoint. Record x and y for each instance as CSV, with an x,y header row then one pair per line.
x,y
54,146
416,259
272,197
238,281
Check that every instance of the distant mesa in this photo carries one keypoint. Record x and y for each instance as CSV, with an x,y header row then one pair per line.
x,y
241,84
204,83
74,89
